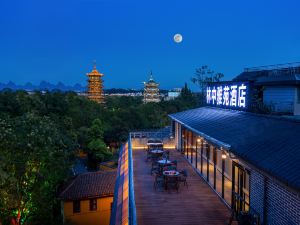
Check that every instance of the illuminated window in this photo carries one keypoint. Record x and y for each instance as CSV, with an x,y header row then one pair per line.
x,y
76,206
93,204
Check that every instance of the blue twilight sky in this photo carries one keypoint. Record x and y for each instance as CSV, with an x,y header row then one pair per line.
x,y
57,40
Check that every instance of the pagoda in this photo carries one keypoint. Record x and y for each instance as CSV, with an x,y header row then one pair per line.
x,y
151,90
95,86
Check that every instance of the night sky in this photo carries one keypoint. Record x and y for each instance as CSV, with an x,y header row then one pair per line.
x,y
57,40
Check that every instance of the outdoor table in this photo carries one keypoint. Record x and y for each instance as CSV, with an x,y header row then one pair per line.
x,y
171,177
157,151
171,173
164,162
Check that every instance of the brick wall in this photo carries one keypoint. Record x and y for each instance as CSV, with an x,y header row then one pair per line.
x,y
282,206
257,189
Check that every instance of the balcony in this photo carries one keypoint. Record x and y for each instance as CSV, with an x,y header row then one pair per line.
x,y
137,202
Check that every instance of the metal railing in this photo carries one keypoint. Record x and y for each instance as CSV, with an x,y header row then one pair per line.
x,y
286,66
152,134
124,210
249,216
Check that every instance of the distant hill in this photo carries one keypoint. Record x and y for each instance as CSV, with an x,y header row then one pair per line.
x,y
43,86
46,86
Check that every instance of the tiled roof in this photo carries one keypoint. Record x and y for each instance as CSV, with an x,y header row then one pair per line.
x,y
269,143
90,185
266,77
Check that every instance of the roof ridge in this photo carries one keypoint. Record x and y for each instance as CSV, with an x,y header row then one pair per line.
x,y
68,187
269,116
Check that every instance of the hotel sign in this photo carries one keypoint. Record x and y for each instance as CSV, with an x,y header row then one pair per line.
x,y
230,95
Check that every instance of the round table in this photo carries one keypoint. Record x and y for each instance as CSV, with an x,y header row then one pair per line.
x,y
164,162
171,173
171,177
157,151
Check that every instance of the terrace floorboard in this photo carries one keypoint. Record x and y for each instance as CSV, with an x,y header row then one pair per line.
x,y
197,204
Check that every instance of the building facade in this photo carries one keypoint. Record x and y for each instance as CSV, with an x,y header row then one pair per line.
x,y
276,87
151,91
246,159
88,198
95,86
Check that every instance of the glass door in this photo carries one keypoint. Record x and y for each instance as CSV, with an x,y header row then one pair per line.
x,y
240,188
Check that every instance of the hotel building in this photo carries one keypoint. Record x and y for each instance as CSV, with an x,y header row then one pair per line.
x,y
250,160
241,148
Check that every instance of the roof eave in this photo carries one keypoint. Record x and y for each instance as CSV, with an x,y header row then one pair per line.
x,y
207,137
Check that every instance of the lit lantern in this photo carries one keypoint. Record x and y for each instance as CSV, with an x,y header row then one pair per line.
x,y
224,156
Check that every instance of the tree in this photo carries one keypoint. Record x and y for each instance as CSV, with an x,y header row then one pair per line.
x,y
97,149
204,76
34,160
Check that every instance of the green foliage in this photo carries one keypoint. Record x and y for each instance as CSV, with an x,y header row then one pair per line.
x,y
98,149
203,76
34,159
40,134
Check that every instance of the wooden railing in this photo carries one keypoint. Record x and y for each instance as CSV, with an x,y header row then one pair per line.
x,y
123,210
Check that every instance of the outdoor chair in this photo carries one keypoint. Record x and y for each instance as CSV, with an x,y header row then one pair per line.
x,y
154,167
155,157
158,180
148,155
166,155
169,167
183,177
174,163
171,182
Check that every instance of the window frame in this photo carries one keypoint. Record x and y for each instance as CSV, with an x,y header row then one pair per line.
x,y
93,204
78,208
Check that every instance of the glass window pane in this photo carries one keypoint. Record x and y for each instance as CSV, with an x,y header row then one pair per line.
x,y
199,160
204,166
219,182
228,167
227,190
211,174
76,206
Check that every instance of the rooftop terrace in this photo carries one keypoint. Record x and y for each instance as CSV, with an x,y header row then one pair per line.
x,y
195,204
137,202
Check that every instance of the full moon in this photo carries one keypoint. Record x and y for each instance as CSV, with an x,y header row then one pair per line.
x,y
178,38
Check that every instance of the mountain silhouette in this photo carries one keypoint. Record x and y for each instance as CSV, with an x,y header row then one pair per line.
x,y
43,86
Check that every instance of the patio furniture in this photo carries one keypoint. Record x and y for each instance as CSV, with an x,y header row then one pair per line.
x,y
183,177
171,179
155,144
155,157
174,162
158,180
166,155
164,162
156,154
154,167
169,167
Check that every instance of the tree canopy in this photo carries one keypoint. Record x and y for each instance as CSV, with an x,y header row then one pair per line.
x,y
41,133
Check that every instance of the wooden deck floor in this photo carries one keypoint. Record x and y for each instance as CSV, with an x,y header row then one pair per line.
x,y
197,204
